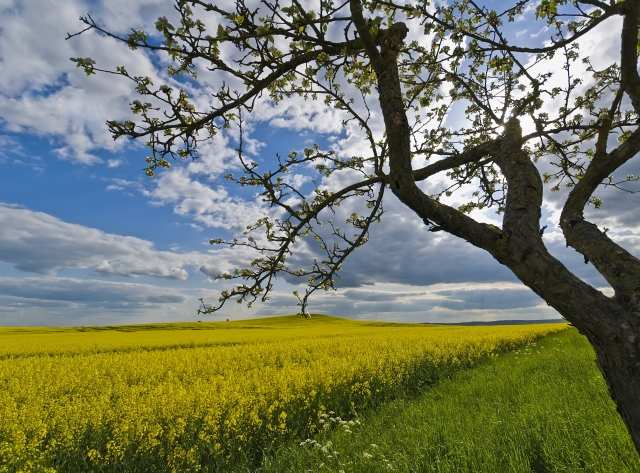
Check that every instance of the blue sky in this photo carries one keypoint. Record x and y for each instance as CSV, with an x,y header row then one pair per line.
x,y
87,238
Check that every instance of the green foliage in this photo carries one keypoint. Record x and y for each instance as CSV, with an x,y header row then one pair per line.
x,y
206,397
86,64
547,8
469,64
542,408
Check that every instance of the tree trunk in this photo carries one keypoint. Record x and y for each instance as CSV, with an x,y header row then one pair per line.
x,y
611,324
619,361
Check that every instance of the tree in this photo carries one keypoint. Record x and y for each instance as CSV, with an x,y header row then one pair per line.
x,y
412,65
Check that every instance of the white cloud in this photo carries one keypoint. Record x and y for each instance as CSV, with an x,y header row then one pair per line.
x,y
443,302
299,114
40,243
42,92
414,284
52,300
205,204
601,46
47,96
88,291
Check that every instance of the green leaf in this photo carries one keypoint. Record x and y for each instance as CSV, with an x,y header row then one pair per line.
x,y
85,63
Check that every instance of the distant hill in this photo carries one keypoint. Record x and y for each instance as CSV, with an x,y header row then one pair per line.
x,y
501,322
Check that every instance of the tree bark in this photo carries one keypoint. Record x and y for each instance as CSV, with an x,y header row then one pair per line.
x,y
612,328
619,360
612,324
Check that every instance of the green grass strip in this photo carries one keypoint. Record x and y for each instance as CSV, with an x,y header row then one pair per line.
x,y
544,408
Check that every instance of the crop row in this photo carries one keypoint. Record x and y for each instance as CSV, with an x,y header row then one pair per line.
x,y
206,408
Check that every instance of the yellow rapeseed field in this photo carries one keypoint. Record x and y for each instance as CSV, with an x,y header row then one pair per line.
x,y
203,397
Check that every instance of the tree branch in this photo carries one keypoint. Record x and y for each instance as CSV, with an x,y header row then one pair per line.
x,y
401,177
629,52
620,268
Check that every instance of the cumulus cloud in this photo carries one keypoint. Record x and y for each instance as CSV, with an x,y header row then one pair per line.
x,y
41,91
404,271
442,302
419,285
40,243
94,292
455,296
48,96
619,214
208,205
402,250
52,300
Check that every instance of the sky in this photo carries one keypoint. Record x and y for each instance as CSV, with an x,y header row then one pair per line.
x,y
86,238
